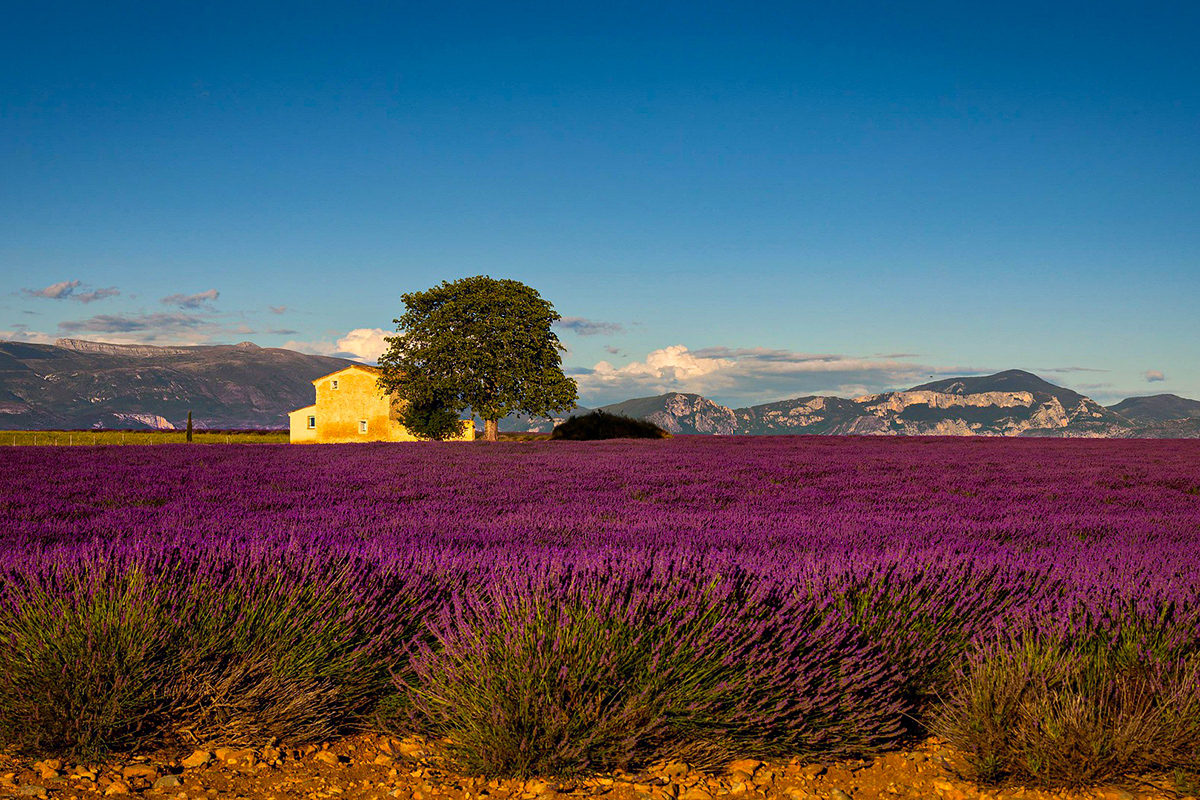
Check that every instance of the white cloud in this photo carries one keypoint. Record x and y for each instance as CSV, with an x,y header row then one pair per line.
x,y
588,327
674,363
1154,376
34,337
55,291
315,348
364,344
360,344
749,375
191,300
98,294
66,290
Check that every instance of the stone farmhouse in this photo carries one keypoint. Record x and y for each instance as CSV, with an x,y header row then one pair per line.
x,y
351,407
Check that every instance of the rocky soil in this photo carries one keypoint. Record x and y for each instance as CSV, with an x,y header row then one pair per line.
x,y
380,767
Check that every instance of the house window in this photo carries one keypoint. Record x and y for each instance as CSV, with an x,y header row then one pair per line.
x,y
335,383
312,422
362,426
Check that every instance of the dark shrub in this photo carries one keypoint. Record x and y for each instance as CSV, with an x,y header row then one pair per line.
x,y
430,419
601,425
1058,713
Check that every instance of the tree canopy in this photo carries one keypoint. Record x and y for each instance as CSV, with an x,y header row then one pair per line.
x,y
477,343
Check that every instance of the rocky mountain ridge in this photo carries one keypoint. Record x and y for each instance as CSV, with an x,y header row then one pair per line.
x,y
1009,403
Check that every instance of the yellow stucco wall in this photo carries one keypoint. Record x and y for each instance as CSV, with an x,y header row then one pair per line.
x,y
298,422
348,401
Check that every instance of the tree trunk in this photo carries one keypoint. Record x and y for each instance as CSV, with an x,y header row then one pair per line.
x,y
491,430
189,428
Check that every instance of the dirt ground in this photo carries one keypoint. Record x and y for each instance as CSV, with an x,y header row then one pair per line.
x,y
378,767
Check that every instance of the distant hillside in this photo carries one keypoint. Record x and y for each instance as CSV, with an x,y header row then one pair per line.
x,y
1010,380
80,384
1157,408
680,413
1009,403
526,424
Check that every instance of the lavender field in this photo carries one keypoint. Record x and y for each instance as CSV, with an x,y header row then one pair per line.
x,y
559,606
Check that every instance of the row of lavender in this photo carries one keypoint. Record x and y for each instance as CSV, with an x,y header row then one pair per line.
x,y
556,606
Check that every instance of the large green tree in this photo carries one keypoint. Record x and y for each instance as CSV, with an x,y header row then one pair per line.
x,y
478,343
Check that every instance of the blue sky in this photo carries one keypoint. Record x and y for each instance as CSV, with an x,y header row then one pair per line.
x,y
752,201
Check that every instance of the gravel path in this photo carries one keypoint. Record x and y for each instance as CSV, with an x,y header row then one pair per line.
x,y
379,767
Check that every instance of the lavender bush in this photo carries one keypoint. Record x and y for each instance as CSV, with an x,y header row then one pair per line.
x,y
1056,712
87,661
609,667
561,605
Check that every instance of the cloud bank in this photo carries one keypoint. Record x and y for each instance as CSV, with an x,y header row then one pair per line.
x,y
197,300
588,327
66,290
738,376
360,344
163,327
55,291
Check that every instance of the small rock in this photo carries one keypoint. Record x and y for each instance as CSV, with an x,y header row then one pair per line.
x,y
328,757
382,760
168,782
744,766
230,756
812,771
197,759
410,748
695,793
764,777
676,770
1115,794
117,787
32,790
536,786
48,772
838,794
146,771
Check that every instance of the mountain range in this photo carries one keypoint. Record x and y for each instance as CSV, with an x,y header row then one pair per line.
x,y
79,384
1009,403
